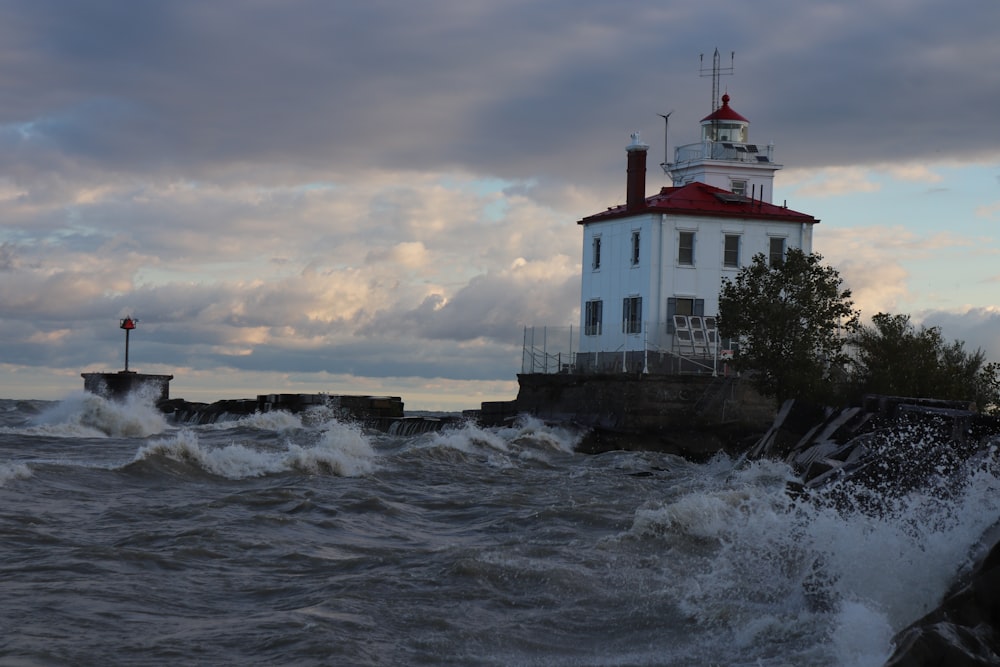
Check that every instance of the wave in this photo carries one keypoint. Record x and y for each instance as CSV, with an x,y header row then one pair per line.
x,y
342,450
752,560
275,420
86,415
12,471
528,438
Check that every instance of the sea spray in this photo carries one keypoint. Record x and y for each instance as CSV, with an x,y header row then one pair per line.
x,y
13,471
83,414
528,431
528,438
273,420
341,450
748,558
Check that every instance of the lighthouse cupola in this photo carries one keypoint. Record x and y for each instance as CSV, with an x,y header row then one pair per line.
x,y
725,158
724,124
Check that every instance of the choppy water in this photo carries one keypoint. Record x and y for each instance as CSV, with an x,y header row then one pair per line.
x,y
280,540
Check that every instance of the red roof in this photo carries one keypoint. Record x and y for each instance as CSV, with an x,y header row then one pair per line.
x,y
702,199
725,112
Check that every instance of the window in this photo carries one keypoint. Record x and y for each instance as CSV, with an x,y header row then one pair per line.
x,y
731,252
679,305
777,252
685,249
592,318
632,314
738,188
635,248
596,255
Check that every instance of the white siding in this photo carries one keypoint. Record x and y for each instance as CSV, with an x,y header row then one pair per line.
x,y
658,276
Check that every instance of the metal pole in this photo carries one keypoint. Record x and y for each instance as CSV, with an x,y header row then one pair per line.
x,y
715,355
570,345
524,348
545,349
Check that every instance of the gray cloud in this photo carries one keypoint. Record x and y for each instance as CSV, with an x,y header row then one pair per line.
x,y
386,188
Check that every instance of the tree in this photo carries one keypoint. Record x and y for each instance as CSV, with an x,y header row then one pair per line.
x,y
790,319
895,357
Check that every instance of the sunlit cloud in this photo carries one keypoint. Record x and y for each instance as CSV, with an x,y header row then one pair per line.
x,y
830,182
989,211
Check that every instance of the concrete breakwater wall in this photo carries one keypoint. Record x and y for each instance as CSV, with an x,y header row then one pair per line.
x,y
121,384
693,416
384,413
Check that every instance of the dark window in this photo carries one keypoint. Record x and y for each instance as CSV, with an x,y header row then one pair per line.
x,y
731,254
635,248
685,248
597,252
682,306
632,314
777,252
592,318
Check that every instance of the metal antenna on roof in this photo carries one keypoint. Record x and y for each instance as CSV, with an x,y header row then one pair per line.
x,y
666,154
715,72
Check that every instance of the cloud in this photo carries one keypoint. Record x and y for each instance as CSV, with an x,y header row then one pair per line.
x,y
990,212
830,182
367,190
873,261
977,327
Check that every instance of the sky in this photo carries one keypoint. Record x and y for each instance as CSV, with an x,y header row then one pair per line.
x,y
378,197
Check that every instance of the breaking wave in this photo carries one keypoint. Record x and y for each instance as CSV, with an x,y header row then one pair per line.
x,y
341,450
276,420
528,438
86,415
12,471
750,560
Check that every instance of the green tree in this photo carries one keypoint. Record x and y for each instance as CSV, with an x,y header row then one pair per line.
x,y
894,357
791,319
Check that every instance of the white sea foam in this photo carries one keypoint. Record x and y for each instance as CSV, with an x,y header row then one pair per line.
x,y
470,439
528,439
750,559
87,415
12,471
341,450
275,420
530,431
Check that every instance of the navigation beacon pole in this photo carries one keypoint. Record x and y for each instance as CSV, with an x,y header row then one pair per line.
x,y
127,324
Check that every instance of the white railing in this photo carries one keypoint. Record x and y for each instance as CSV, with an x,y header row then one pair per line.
x,y
724,150
691,346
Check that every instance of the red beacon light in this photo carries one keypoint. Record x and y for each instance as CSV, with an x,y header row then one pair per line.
x,y
127,324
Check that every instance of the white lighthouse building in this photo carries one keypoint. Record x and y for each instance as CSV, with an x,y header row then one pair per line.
x,y
653,268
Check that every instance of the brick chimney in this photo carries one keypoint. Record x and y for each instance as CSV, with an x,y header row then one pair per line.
x,y
635,189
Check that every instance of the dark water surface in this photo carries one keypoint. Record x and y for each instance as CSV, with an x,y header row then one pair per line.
x,y
280,540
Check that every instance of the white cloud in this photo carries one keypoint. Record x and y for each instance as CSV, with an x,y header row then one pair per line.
x,y
829,182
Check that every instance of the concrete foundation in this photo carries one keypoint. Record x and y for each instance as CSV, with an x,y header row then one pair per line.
x,y
118,385
690,415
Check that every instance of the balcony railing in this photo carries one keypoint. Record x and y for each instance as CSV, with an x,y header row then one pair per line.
x,y
724,150
690,346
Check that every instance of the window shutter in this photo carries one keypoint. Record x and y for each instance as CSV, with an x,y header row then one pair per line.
x,y
671,311
699,307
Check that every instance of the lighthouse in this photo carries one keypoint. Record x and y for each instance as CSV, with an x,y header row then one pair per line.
x,y
725,157
653,267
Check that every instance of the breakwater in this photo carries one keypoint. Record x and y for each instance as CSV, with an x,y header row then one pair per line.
x,y
384,413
